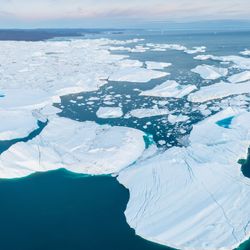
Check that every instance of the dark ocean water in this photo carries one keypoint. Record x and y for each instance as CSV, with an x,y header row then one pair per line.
x,y
60,210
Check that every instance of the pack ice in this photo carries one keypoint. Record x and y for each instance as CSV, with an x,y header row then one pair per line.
x,y
79,147
194,197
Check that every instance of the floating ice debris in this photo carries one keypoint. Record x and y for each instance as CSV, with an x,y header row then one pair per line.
x,y
218,91
170,89
210,72
239,61
79,147
177,118
241,77
246,52
194,50
194,197
143,112
109,112
157,65
134,74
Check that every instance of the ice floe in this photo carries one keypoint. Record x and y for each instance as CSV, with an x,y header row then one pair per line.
x,y
79,147
210,72
135,74
16,124
194,50
194,197
143,112
240,77
218,91
239,61
170,88
109,112
157,65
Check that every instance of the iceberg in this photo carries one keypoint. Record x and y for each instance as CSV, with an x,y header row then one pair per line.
x,y
218,91
194,197
79,147
170,88
109,112
135,74
210,72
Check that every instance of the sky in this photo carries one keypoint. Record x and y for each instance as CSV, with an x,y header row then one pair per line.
x,y
116,13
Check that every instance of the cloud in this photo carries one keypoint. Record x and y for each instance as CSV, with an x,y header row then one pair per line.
x,y
161,10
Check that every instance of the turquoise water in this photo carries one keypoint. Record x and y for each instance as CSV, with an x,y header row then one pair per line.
x,y
225,123
60,210
64,211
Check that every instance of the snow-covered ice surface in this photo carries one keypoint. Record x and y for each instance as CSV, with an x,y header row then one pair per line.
x,y
170,88
109,112
142,113
219,90
157,65
79,147
16,124
136,74
194,197
210,72
240,77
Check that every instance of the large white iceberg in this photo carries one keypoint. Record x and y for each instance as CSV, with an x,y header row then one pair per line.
x,y
79,147
195,197
170,89
210,72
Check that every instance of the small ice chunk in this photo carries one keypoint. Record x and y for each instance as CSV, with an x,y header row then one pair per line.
x,y
177,118
157,65
109,112
143,112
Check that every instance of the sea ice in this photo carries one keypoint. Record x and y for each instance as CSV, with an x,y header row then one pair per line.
x,y
143,112
194,197
16,124
157,65
79,147
218,91
136,74
210,72
170,89
109,112
240,77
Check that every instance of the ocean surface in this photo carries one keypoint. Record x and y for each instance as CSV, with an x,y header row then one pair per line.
x,y
60,210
